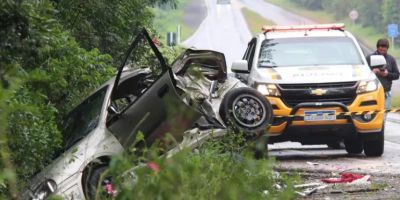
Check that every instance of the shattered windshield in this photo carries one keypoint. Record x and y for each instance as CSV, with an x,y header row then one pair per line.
x,y
83,119
283,52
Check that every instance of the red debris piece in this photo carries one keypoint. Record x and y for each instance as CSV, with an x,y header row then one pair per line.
x,y
110,190
344,178
156,41
154,166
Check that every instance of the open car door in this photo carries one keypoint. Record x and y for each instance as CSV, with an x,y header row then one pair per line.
x,y
157,108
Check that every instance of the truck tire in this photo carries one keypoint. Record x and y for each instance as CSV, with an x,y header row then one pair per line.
x,y
375,147
353,146
246,110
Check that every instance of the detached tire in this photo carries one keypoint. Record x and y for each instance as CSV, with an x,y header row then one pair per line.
x,y
375,147
246,110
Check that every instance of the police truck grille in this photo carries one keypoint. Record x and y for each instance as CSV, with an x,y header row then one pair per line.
x,y
343,92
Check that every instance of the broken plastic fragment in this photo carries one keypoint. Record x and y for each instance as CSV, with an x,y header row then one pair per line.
x,y
154,166
344,178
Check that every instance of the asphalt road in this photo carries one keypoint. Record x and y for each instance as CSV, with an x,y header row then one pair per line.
x,y
224,29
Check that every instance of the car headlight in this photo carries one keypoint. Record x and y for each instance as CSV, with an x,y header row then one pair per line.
x,y
268,89
367,86
44,190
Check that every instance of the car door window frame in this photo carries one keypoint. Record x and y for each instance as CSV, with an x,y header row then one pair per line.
x,y
142,35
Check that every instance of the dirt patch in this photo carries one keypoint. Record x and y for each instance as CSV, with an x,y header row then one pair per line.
x,y
195,12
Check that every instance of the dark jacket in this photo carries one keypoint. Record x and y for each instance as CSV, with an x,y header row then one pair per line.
x,y
392,69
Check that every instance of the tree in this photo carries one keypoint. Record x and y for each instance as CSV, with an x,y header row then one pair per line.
x,y
44,71
54,73
106,24
370,13
310,4
339,8
391,12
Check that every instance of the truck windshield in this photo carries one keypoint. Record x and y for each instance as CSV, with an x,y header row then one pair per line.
x,y
284,52
83,119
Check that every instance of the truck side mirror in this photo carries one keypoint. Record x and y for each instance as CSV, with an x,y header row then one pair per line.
x,y
240,66
377,61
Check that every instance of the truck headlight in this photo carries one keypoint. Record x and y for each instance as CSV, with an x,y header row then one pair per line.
x,y
367,86
268,89
44,190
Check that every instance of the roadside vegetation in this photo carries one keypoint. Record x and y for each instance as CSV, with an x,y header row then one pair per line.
x,y
219,169
396,101
255,21
166,19
52,55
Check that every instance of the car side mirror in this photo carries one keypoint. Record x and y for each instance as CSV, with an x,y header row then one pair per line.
x,y
377,61
240,66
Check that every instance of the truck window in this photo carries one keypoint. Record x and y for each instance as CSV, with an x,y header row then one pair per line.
x,y
284,52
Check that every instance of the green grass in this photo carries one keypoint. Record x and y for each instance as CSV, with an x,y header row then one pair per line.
x,y
167,19
254,20
318,16
395,101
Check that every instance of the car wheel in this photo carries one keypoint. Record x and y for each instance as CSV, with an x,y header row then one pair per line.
x,y
375,147
246,110
353,146
93,181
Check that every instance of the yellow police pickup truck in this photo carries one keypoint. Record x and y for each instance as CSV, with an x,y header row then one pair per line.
x,y
319,84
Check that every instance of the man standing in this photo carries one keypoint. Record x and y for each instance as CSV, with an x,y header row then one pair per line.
x,y
390,73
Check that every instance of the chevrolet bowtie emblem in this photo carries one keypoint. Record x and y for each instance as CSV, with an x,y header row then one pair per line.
x,y
319,92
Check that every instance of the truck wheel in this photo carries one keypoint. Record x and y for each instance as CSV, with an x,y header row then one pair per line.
x,y
246,110
375,147
353,146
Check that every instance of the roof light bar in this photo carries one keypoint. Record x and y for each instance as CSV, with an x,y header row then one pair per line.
x,y
304,27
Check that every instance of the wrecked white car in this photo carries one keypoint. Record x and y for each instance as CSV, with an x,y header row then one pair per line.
x,y
192,100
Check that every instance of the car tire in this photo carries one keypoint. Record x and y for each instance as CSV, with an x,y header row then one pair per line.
x,y
353,146
246,110
93,180
375,147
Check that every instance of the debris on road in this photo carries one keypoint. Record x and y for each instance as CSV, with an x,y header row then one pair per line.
x,y
346,178
362,181
310,190
307,185
312,163
352,181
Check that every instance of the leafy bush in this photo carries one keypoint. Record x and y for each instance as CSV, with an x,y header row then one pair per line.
x,y
219,169
310,4
106,24
374,13
54,73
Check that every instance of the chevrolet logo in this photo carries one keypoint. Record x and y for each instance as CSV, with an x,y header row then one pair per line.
x,y
319,92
